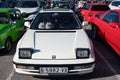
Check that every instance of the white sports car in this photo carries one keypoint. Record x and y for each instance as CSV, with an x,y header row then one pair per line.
x,y
29,8
55,44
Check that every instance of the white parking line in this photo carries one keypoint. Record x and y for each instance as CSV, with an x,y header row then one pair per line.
x,y
11,75
111,68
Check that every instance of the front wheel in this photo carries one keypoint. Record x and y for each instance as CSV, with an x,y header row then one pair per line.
x,y
8,45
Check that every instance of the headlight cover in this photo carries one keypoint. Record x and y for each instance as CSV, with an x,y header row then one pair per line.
x,y
82,53
25,53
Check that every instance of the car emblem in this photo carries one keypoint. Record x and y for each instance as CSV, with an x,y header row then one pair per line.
x,y
53,56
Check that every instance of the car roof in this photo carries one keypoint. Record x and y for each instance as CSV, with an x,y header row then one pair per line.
x,y
91,4
56,10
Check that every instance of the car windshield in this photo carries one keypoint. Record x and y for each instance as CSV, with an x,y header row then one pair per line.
x,y
55,21
3,18
100,8
116,3
27,4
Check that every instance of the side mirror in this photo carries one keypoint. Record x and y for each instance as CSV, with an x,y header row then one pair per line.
x,y
114,25
27,24
84,23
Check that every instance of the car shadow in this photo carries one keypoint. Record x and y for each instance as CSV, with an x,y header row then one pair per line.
x,y
107,60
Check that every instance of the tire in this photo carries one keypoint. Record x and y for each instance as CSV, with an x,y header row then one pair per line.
x,y
8,45
94,32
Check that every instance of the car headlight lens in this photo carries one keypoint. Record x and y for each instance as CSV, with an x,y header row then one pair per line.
x,y
25,53
82,53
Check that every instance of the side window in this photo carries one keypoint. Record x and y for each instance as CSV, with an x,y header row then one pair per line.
x,y
111,17
18,15
13,17
4,18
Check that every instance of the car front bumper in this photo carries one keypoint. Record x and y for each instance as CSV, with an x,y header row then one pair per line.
x,y
73,69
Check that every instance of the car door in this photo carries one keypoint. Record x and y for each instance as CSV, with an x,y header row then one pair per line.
x,y
16,25
111,29
4,28
13,25
19,23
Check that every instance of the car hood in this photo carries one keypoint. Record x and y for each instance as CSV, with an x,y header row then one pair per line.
x,y
28,10
55,44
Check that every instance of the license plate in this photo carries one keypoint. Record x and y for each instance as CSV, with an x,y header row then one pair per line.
x,y
53,70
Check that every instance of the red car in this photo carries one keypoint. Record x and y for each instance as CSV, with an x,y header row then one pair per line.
x,y
107,26
90,10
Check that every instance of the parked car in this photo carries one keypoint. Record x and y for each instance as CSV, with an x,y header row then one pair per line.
x,y
60,4
115,4
11,27
107,27
90,10
29,8
55,44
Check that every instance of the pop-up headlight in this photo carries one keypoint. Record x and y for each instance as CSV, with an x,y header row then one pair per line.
x,y
82,53
25,53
